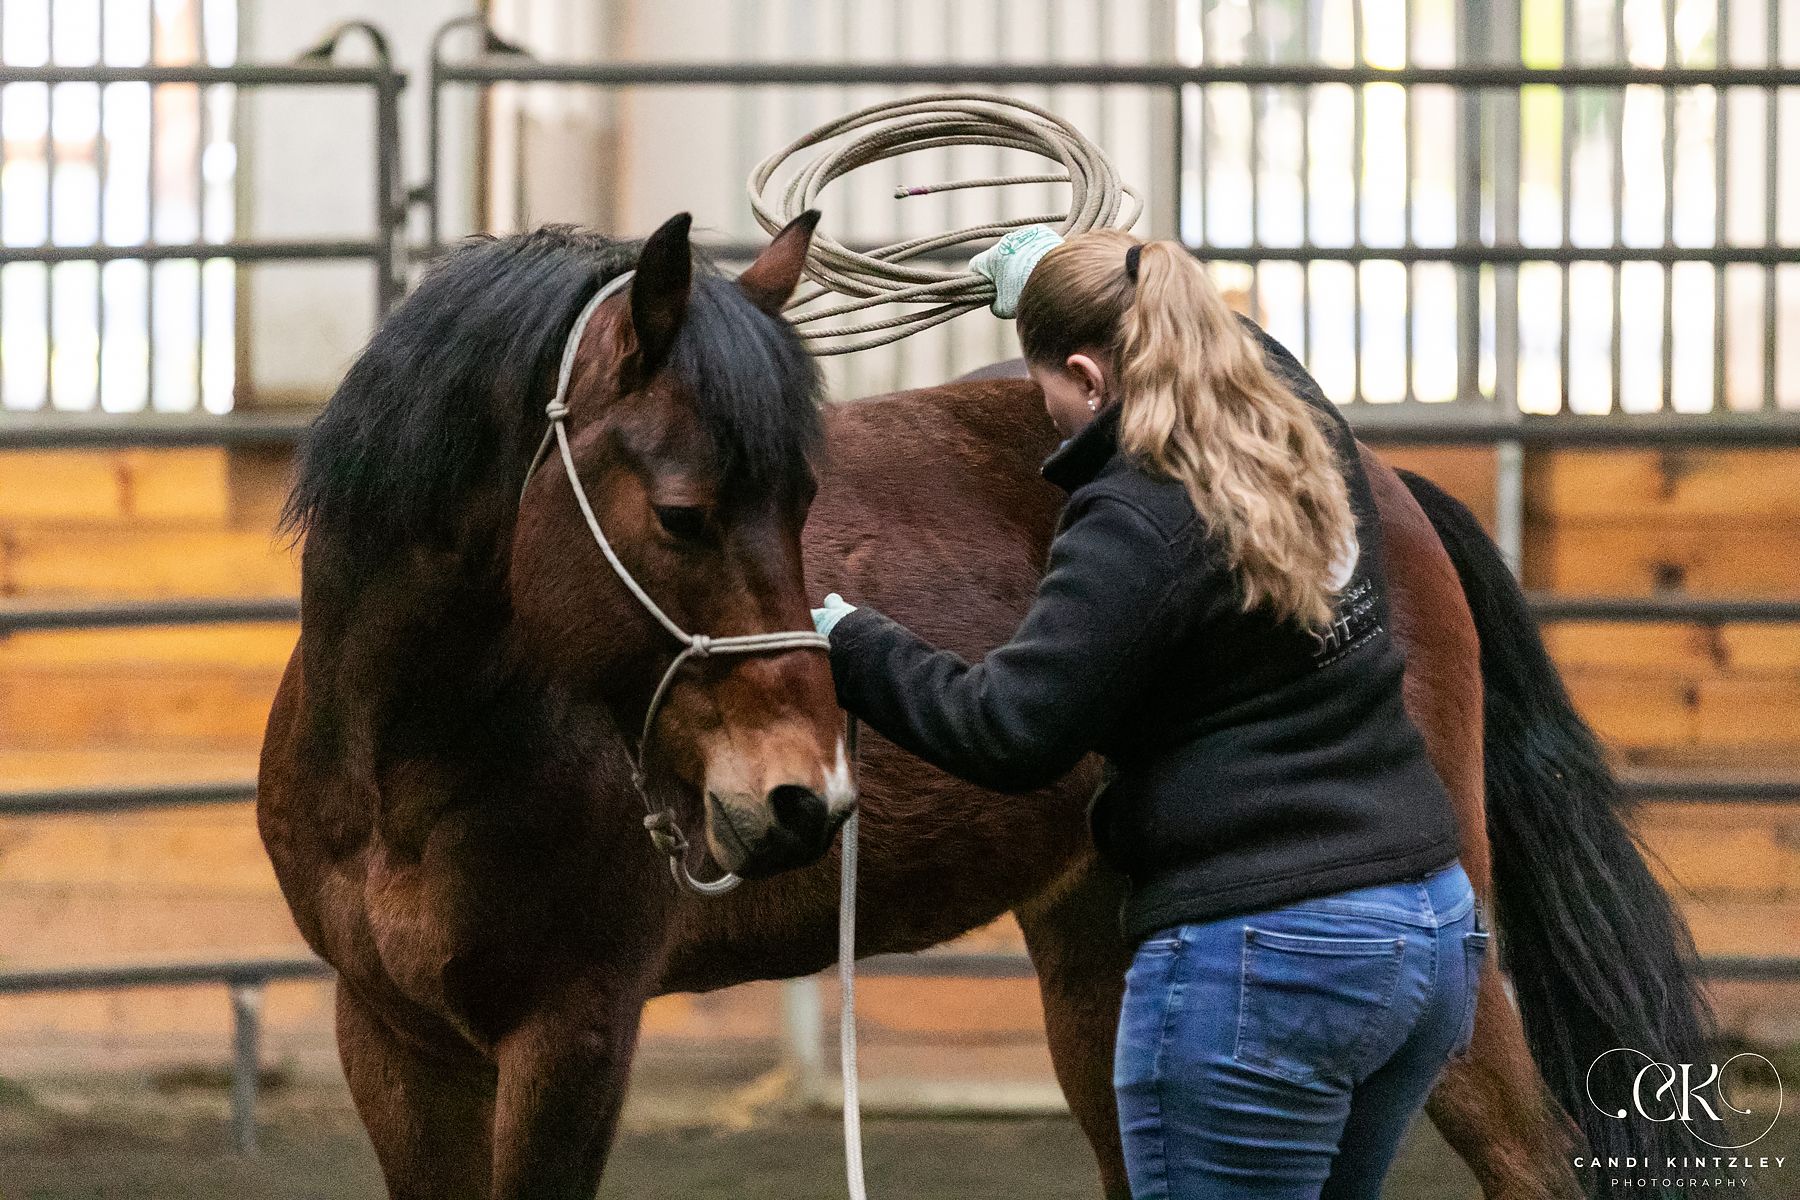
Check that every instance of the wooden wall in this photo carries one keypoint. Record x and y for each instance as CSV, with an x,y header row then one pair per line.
x,y
188,704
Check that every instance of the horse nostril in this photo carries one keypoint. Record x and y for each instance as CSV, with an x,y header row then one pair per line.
x,y
799,811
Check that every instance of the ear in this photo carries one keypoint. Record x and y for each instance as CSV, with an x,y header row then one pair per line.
x,y
659,291
771,279
1088,372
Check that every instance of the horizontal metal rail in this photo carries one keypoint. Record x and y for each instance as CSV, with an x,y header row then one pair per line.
x,y
303,74
1697,610
79,801
123,614
102,977
93,431
1411,423
488,69
248,252
120,614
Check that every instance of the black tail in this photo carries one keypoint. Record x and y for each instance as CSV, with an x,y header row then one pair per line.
x,y
1598,956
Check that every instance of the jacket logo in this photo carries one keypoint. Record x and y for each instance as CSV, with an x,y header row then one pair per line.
x,y
1354,625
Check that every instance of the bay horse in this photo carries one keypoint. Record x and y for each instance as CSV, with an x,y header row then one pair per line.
x,y
445,784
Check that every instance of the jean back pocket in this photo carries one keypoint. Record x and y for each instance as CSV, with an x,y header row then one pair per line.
x,y
1314,1007
1475,944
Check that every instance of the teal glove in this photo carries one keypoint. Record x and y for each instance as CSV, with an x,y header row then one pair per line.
x,y
831,614
1008,262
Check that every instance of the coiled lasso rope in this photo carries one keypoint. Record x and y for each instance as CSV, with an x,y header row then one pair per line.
x,y
882,276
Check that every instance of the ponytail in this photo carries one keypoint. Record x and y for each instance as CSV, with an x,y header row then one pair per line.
x,y
1201,406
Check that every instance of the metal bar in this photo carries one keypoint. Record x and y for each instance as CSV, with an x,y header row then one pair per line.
x,y
1467,254
49,215
150,232
1678,608
499,69
1385,424
390,212
122,614
1568,101
1504,42
1721,195
246,1063
1474,427
65,802
1669,785
20,981
1618,215
802,1019
100,173
1255,97
1306,96
1771,203
200,236
1668,164
1749,969
1470,38
1410,235
249,75
248,251
1358,121
68,431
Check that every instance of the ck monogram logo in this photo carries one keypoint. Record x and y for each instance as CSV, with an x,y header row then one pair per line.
x,y
1685,1092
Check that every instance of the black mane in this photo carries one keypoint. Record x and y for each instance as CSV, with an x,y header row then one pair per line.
x,y
451,388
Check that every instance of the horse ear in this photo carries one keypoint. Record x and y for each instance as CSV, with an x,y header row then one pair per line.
x,y
771,279
659,290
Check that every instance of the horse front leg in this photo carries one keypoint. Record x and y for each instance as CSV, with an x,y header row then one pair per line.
x,y
563,1074
428,1107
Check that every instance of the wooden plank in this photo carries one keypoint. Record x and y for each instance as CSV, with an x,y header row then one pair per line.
x,y
51,709
113,486
1627,558
261,646
189,485
1637,709
1654,486
1694,650
1726,852
63,766
191,851
69,561
76,485
1466,472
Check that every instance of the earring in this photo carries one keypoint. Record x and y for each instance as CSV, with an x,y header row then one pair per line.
x,y
1093,404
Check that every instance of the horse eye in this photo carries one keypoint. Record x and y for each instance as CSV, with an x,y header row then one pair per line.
x,y
682,521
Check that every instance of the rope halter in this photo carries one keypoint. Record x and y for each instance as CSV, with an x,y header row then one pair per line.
x,y
659,822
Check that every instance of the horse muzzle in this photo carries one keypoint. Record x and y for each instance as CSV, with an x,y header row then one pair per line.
x,y
790,827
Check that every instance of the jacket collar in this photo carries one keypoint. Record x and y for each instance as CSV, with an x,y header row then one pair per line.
x,y
1080,458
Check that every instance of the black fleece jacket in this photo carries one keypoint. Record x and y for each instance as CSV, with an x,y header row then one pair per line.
x,y
1250,763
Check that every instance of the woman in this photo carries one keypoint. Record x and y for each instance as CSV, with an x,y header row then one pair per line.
x,y
1213,622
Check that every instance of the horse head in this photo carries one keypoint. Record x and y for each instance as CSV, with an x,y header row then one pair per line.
x,y
693,431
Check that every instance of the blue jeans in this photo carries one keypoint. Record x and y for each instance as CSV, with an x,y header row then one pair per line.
x,y
1284,1053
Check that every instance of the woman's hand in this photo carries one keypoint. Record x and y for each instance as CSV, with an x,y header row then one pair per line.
x,y
831,614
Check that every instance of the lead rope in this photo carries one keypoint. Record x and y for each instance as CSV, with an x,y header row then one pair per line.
x,y
853,1150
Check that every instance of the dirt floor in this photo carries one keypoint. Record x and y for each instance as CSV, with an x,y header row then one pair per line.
x,y
148,1141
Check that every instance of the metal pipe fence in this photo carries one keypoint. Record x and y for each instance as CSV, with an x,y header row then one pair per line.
x,y
1510,325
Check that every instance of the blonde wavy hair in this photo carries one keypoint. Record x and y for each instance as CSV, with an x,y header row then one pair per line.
x,y
1200,405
